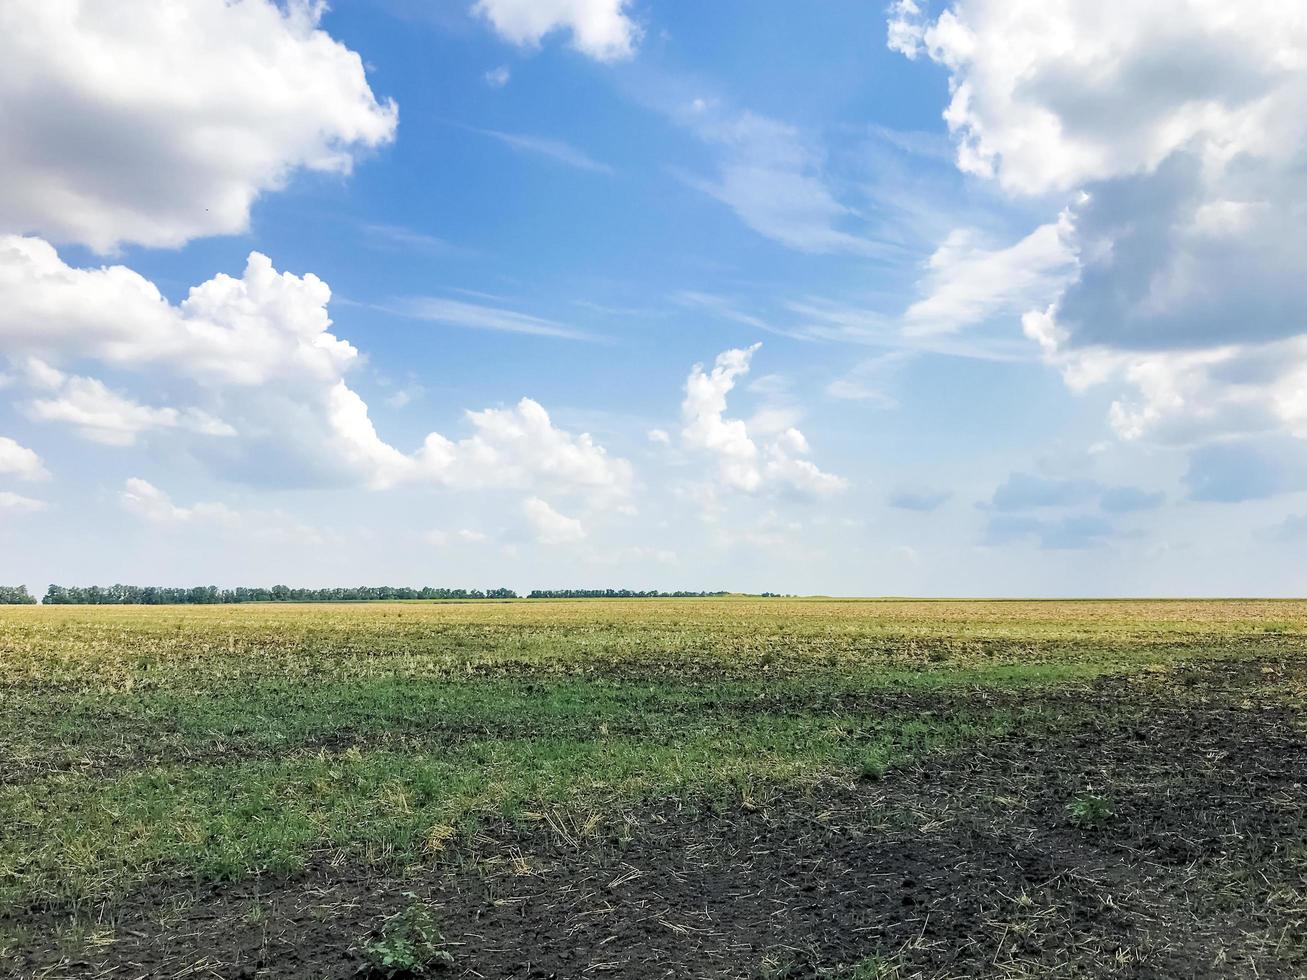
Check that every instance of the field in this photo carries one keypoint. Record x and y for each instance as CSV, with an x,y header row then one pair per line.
x,y
655,788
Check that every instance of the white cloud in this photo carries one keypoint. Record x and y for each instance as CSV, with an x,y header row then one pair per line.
x,y
905,28
19,461
549,526
250,331
660,437
1176,134
968,282
258,354
1049,95
478,316
399,238
601,29
771,176
553,149
706,427
739,462
728,308
105,416
193,110
870,380
520,448
147,501
498,77
17,502
1184,397
785,467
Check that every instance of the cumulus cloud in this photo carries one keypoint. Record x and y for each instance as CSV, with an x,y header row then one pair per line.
x,y
257,350
1175,133
707,428
1050,96
258,359
191,111
740,463
20,462
250,331
601,29
102,415
520,448
549,526
1186,396
147,501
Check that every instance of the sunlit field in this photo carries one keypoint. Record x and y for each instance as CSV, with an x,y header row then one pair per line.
x,y
735,787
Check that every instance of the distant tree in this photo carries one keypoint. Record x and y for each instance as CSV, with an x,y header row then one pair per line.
x,y
617,594
151,595
15,595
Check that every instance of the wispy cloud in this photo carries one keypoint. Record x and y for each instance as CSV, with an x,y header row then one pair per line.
x,y
870,379
477,316
851,322
774,179
396,236
553,149
968,282
727,308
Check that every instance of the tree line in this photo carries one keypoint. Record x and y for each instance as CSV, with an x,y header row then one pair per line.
x,y
209,595
617,594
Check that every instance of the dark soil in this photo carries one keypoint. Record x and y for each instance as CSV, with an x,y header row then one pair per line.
x,y
965,865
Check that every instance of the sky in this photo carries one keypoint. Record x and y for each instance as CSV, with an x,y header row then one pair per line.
x,y
982,298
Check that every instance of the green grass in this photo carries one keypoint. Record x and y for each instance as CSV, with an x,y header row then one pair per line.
x,y
225,741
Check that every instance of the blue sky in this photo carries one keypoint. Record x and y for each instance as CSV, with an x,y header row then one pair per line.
x,y
1026,290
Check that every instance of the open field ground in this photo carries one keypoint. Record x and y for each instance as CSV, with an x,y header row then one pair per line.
x,y
660,788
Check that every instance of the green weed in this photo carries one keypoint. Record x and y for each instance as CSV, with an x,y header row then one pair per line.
x,y
1090,811
408,944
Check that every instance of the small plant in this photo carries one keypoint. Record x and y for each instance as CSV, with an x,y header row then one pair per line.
x,y
1090,811
409,944
874,766
256,914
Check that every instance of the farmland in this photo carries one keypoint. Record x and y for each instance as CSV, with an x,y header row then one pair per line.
x,y
695,787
